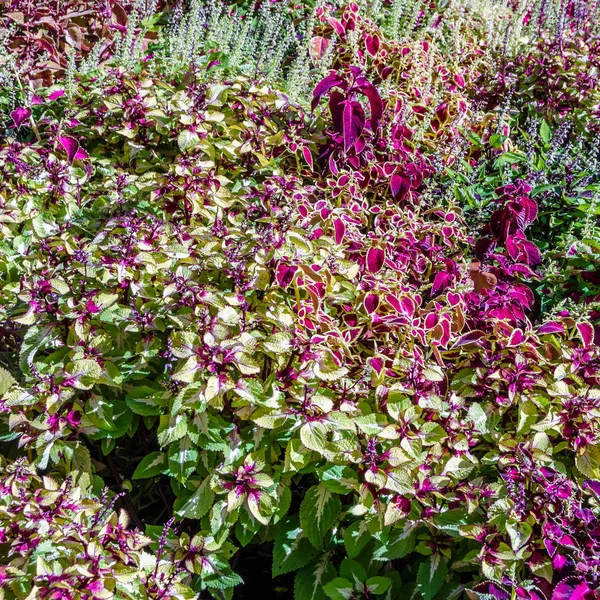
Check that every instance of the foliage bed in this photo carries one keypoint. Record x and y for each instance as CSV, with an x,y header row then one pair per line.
x,y
313,284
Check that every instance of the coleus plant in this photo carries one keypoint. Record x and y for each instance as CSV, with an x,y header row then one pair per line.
x,y
45,36
273,317
57,543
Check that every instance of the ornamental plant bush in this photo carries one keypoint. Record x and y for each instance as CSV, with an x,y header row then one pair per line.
x,y
346,342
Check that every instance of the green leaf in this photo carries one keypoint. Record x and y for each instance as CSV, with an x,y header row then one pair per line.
x,y
356,537
6,381
545,132
183,459
150,466
327,369
399,543
314,435
32,342
278,343
431,576
246,528
308,584
143,406
86,372
199,503
338,479
339,589
284,501
378,585
588,463
353,570
292,549
318,513
171,429
188,140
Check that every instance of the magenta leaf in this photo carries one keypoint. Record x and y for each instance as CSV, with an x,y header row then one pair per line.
x,y
339,28
552,327
340,230
459,80
307,156
371,302
586,331
70,145
56,94
372,44
592,485
489,590
440,282
375,259
573,589
285,274
377,363
20,115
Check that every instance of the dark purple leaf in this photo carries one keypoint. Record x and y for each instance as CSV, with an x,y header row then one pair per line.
x,y
353,122
375,103
483,246
285,274
336,107
400,186
324,86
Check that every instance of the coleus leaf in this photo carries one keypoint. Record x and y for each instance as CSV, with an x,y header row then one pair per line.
x,y
151,465
340,230
332,80
356,537
292,549
400,542
20,115
431,576
308,584
353,122
573,589
183,458
378,585
6,381
72,148
318,513
372,42
375,103
488,590
375,259
318,46
551,327
586,332
200,503
400,186
339,588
